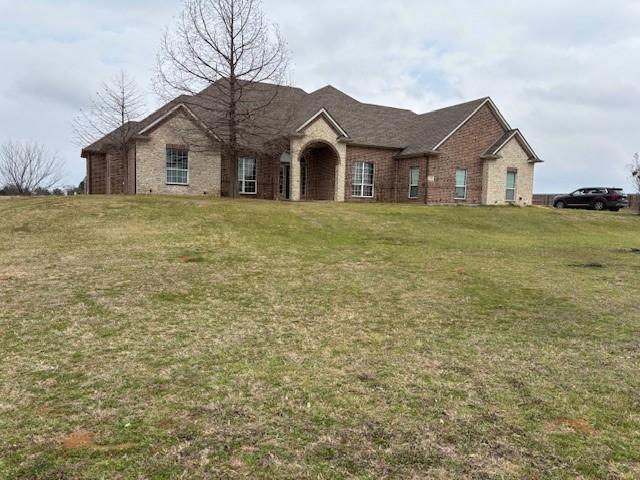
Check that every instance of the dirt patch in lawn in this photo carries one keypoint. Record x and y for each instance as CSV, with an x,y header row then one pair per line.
x,y
194,259
81,439
588,265
578,425
629,250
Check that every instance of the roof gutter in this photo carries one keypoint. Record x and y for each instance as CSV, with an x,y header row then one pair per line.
x,y
428,154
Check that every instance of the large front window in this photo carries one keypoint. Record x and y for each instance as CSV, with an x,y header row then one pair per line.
x,y
362,182
247,176
461,184
177,166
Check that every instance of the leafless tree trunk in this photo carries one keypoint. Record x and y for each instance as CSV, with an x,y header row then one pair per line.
x,y
219,50
109,117
635,176
27,167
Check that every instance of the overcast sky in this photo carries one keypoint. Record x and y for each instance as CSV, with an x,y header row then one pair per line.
x,y
566,72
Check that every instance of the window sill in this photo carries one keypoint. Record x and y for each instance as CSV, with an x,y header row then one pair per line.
x,y
361,196
177,184
248,194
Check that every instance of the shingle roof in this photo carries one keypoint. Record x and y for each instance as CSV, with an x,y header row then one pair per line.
x,y
433,127
289,108
133,128
113,137
364,123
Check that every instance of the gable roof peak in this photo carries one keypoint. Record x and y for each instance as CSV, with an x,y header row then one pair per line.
x,y
476,102
494,151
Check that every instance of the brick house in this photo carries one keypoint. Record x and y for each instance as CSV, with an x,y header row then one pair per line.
x,y
323,145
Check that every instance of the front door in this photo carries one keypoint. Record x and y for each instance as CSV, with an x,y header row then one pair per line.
x,y
285,181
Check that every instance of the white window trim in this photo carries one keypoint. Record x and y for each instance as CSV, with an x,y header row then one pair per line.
x,y
167,170
417,185
243,182
362,185
515,188
466,182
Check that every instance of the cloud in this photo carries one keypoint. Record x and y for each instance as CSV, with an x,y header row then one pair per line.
x,y
564,72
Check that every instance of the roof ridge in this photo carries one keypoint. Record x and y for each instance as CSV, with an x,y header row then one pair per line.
x,y
366,104
468,102
388,107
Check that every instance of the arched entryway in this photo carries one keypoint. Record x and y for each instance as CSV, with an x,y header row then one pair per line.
x,y
318,162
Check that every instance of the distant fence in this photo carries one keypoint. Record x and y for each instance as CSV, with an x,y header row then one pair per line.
x,y
546,200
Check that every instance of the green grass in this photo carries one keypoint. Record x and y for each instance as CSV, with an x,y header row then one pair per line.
x,y
191,338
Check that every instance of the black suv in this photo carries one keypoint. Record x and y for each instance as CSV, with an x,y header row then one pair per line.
x,y
594,198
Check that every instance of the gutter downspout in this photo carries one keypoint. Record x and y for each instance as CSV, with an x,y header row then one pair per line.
x,y
395,187
426,179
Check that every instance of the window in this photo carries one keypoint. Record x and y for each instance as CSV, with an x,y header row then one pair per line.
x,y
247,176
362,181
511,186
414,178
177,166
461,184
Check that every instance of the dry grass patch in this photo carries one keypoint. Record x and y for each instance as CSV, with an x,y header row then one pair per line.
x,y
192,338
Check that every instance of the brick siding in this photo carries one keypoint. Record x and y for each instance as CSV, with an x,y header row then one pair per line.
x,y
321,174
97,174
384,173
391,176
402,184
267,176
118,173
463,151
99,170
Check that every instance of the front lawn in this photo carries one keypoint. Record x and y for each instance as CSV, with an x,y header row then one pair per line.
x,y
193,338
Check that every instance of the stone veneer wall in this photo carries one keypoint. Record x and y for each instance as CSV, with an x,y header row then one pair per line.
x,y
318,132
495,176
463,151
204,160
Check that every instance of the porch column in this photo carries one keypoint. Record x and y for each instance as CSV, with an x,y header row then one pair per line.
x,y
295,174
341,174
107,159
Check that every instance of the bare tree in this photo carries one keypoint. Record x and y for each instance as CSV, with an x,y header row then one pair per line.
x,y
27,167
220,50
114,107
109,117
634,168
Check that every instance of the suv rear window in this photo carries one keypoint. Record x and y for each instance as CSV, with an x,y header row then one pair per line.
x,y
617,190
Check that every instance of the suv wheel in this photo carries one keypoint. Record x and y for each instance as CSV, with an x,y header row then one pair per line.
x,y
599,205
560,204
